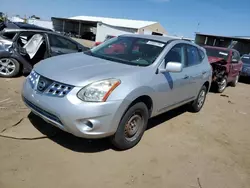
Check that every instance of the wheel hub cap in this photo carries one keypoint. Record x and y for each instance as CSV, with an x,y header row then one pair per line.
x,y
223,84
237,78
7,66
201,98
132,126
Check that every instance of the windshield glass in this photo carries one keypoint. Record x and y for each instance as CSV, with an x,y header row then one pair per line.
x,y
246,59
129,50
212,52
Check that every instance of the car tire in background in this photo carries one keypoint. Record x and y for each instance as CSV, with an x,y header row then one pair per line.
x,y
221,87
9,67
236,80
198,103
131,127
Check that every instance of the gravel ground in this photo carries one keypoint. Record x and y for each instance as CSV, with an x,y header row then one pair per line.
x,y
180,149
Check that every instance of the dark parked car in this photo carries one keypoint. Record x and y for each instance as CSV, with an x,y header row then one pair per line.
x,y
226,64
20,49
246,66
20,25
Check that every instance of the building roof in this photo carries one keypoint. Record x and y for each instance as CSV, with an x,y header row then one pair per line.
x,y
135,24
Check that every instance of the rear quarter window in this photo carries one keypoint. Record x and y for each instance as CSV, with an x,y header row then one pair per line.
x,y
202,54
8,35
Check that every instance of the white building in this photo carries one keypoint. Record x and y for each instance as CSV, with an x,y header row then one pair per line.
x,y
16,19
97,28
41,23
33,21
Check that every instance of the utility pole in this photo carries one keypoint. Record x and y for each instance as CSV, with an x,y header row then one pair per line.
x,y
197,29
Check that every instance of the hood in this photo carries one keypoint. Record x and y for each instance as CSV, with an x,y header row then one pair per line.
x,y
215,59
79,69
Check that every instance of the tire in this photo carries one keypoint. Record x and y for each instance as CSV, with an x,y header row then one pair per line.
x,y
221,88
10,65
235,82
198,103
126,136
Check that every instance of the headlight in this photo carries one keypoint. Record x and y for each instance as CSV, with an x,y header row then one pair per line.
x,y
98,91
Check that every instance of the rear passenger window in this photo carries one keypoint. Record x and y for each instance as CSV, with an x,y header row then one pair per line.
x,y
9,35
202,54
60,42
193,55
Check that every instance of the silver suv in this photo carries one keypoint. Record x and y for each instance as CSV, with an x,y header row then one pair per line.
x,y
113,89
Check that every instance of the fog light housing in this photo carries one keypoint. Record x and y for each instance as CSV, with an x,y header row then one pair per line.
x,y
85,125
89,124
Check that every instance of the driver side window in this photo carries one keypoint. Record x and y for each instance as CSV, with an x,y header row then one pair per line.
x,y
235,56
176,54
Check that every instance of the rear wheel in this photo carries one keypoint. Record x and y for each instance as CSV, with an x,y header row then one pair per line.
x,y
197,105
131,127
235,82
9,67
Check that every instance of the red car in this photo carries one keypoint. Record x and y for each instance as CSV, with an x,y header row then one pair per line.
x,y
226,64
107,38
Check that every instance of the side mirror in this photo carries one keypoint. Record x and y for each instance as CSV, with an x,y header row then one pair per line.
x,y
172,67
234,60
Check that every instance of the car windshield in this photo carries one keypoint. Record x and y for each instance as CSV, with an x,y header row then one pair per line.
x,y
213,52
246,59
129,50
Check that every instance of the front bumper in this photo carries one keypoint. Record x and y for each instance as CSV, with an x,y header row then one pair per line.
x,y
70,114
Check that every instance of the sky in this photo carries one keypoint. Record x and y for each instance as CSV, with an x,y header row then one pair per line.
x,y
178,17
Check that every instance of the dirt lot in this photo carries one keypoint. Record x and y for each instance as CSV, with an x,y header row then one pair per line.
x,y
210,149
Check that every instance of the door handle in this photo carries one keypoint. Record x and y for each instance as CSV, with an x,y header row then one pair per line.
x,y
204,72
186,77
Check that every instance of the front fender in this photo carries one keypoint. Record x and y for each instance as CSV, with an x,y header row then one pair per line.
x,y
4,54
138,92
132,96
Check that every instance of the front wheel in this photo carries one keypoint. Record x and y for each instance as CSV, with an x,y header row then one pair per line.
x,y
197,105
221,86
131,127
9,67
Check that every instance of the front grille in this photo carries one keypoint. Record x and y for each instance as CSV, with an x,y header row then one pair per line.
x,y
43,83
58,89
42,112
47,86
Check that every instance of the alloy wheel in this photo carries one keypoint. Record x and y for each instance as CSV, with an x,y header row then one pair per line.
x,y
7,66
236,79
222,84
201,98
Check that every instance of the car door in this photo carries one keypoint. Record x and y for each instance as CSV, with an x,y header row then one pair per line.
x,y
59,45
235,65
171,87
31,46
195,70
